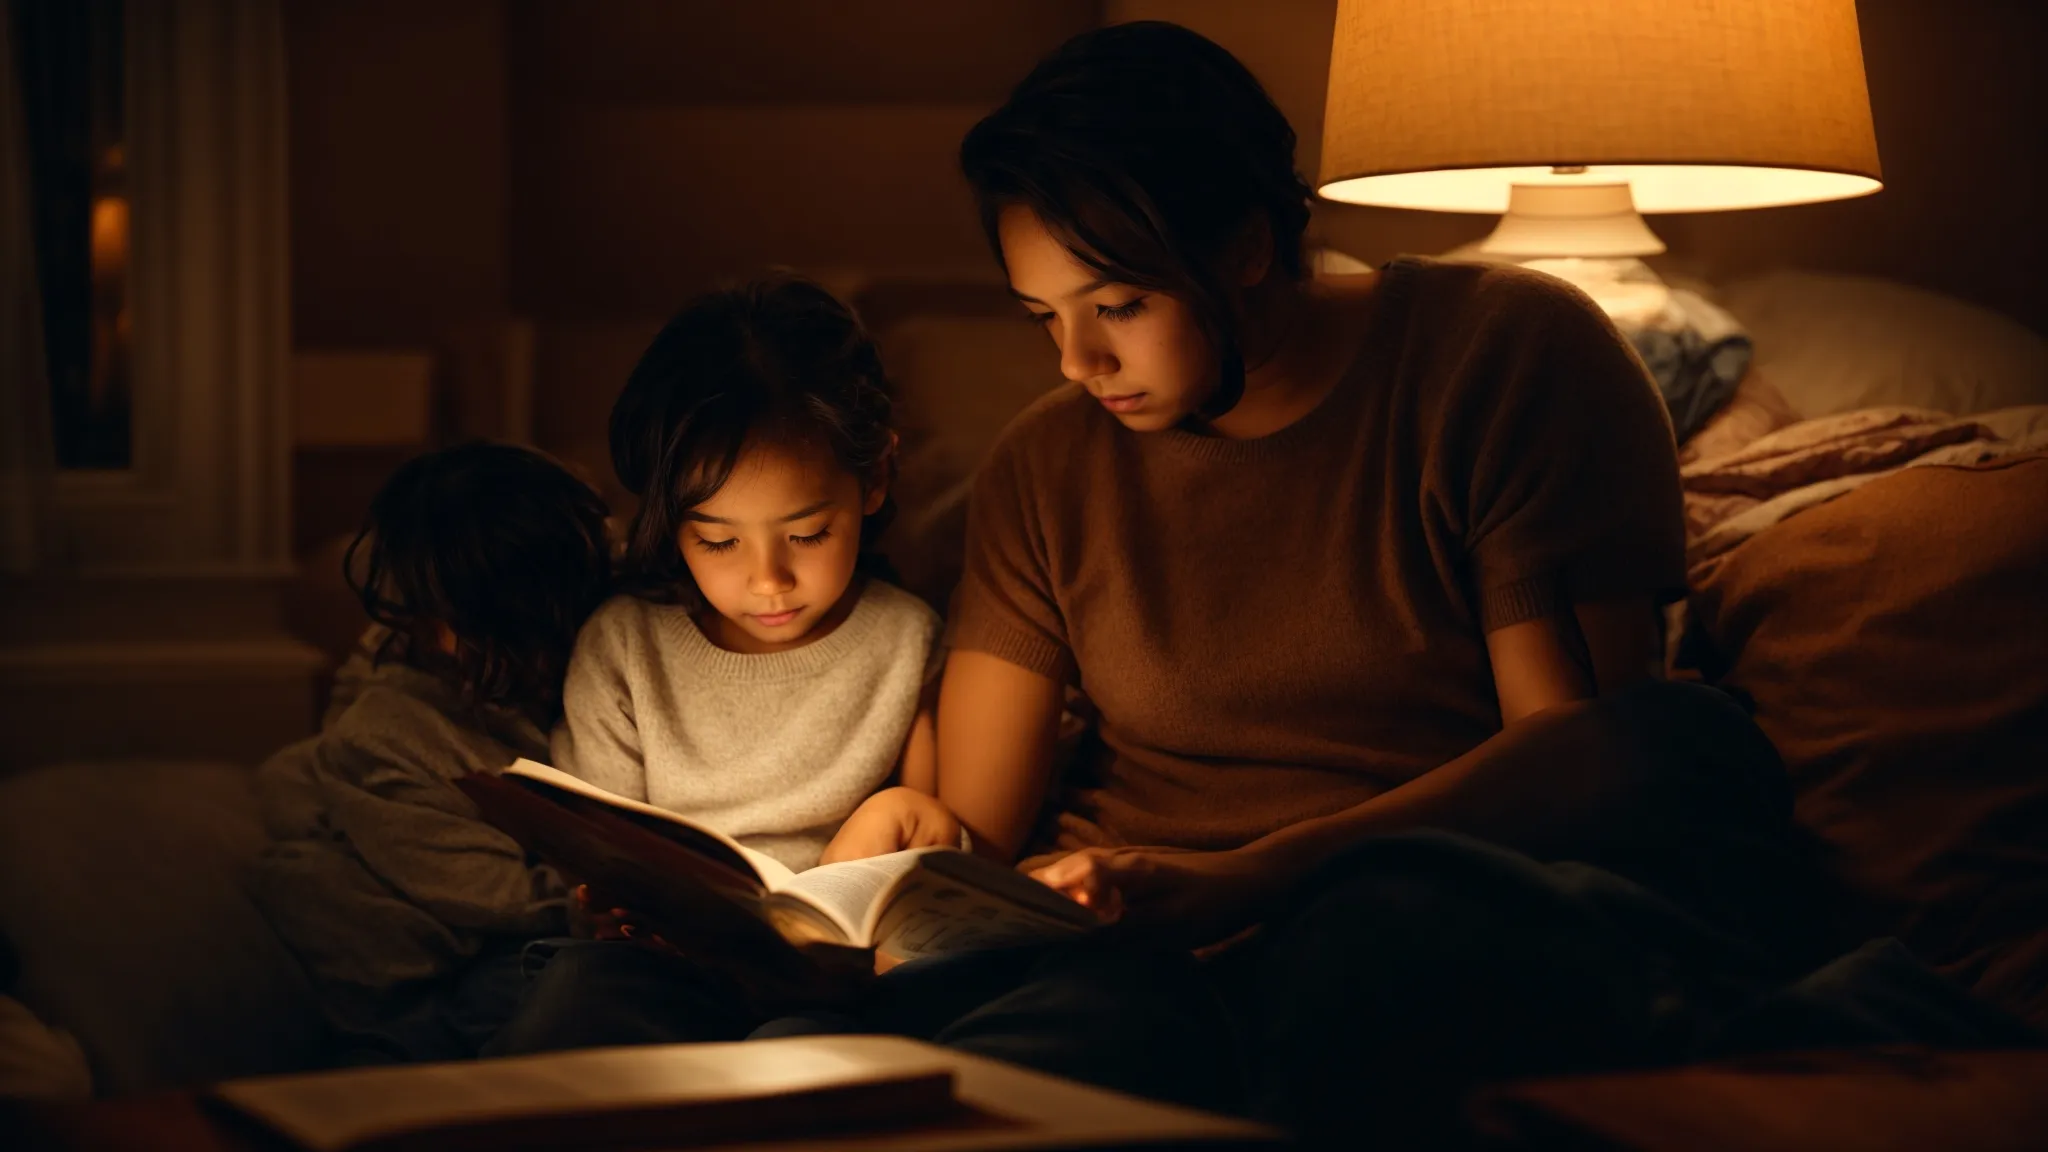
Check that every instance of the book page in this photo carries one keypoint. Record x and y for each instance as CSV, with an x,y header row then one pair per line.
x,y
770,871
958,902
852,891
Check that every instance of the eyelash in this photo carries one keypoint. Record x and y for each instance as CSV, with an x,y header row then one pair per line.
x,y
812,541
1113,312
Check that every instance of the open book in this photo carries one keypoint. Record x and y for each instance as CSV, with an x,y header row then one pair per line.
x,y
706,891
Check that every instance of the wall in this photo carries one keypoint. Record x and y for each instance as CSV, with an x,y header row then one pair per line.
x,y
660,147
590,167
1962,126
1961,110
399,202
398,175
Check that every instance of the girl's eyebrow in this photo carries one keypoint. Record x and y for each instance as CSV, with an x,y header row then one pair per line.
x,y
799,514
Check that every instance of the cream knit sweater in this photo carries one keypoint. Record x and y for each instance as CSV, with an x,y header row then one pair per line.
x,y
774,750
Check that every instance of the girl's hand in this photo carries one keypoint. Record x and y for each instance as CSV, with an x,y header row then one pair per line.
x,y
893,820
594,917
1179,897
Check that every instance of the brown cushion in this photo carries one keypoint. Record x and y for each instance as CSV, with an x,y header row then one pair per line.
x,y
1894,643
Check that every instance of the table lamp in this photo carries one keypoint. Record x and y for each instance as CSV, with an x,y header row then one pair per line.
x,y
1572,117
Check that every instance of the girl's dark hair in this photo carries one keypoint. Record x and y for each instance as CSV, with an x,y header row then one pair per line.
x,y
779,360
1147,150
503,546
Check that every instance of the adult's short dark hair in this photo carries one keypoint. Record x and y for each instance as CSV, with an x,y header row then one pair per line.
x,y
1148,150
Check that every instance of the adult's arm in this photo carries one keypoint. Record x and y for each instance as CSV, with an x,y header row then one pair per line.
x,y
1554,779
997,725
1548,783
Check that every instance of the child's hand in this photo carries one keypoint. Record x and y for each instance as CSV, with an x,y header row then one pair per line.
x,y
593,917
893,820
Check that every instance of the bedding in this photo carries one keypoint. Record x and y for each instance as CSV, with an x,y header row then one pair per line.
x,y
1756,408
1889,639
1733,496
1833,343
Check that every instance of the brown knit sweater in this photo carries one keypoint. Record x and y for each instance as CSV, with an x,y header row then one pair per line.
x,y
1279,628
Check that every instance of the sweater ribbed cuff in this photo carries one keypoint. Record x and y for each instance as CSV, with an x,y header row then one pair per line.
x,y
1534,598
973,632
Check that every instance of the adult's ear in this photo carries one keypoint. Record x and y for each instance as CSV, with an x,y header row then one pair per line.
x,y
1249,259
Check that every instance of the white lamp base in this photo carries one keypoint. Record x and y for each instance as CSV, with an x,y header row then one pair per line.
x,y
1588,234
1571,220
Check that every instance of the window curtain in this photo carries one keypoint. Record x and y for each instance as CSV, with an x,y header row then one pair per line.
x,y
27,449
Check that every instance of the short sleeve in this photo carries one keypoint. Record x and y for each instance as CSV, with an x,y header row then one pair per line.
x,y
1005,604
1571,489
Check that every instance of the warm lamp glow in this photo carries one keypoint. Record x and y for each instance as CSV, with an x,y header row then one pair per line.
x,y
1656,187
1697,105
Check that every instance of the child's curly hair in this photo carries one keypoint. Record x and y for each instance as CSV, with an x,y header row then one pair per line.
x,y
501,545
777,359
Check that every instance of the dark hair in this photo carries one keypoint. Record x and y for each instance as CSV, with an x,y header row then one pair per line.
x,y
1147,150
502,545
779,359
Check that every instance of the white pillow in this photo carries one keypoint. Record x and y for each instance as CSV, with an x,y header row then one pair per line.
x,y
1831,343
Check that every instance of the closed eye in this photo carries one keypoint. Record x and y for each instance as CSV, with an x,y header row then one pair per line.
x,y
1122,311
813,540
716,546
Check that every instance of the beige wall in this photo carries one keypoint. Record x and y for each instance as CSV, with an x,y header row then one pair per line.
x,y
660,147
398,124
398,168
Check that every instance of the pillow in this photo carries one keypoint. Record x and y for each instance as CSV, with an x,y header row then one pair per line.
x,y
120,886
1893,644
1831,343
959,381
1756,409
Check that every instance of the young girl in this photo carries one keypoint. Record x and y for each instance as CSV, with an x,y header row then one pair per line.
x,y
478,565
758,675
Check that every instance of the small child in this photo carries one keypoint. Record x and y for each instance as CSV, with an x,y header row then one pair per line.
x,y
478,565
760,676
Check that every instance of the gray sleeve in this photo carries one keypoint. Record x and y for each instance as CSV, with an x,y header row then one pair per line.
x,y
386,779
286,793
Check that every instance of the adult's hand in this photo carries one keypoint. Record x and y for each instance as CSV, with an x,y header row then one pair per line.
x,y
1172,895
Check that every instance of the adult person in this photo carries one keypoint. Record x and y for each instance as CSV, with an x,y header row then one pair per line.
x,y
1361,576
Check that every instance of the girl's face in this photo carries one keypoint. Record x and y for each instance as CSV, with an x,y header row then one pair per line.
x,y
1139,352
773,550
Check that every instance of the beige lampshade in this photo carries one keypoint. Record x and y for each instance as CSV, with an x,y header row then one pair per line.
x,y
1696,104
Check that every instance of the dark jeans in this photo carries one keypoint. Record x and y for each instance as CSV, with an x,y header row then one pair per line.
x,y
598,994
1068,1010
1413,969
448,1019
